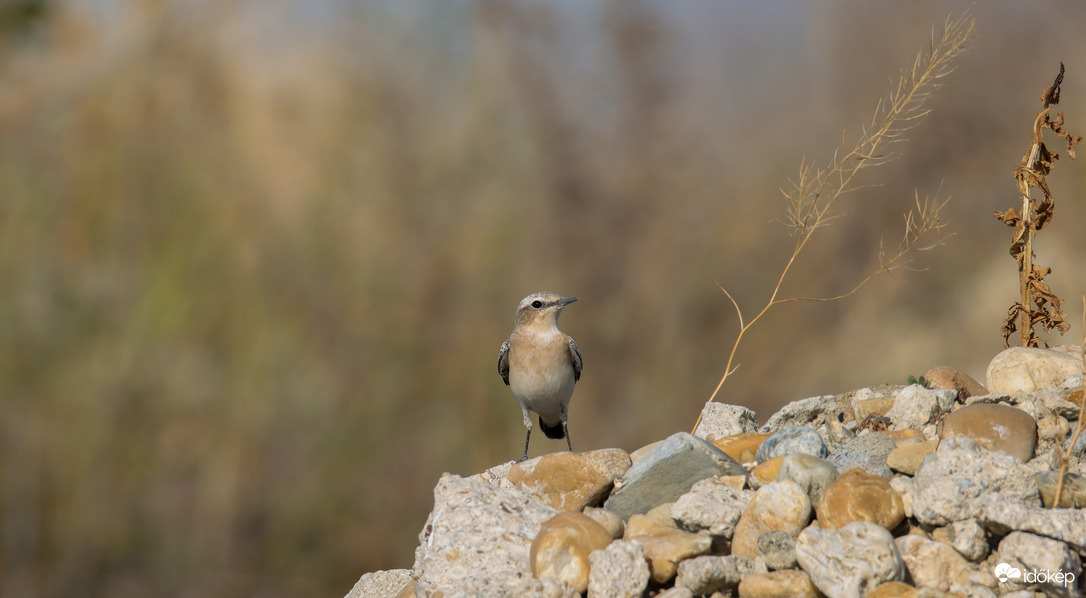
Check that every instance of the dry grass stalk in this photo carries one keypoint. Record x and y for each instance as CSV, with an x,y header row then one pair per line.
x,y
1038,305
1065,457
812,197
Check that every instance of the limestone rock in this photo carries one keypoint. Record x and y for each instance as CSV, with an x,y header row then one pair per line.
x,y
618,571
777,507
916,406
765,473
967,537
478,539
1001,516
995,427
711,506
569,481
790,441
707,574
778,584
860,496
561,548
894,589
812,474
720,420
741,447
867,451
1025,369
907,459
953,484
851,561
942,376
381,584
667,473
497,475
777,550
665,547
1073,494
1030,553
937,566
810,412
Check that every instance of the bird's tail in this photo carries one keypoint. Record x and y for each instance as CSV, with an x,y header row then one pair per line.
x,y
554,432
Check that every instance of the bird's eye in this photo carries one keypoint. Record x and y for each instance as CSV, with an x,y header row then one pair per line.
x,y
537,304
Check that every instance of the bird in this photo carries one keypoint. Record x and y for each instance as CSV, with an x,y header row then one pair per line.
x,y
541,364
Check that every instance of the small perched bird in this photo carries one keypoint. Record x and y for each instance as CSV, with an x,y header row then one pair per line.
x,y
540,364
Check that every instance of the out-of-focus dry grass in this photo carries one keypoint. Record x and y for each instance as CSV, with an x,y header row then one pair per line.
x,y
257,262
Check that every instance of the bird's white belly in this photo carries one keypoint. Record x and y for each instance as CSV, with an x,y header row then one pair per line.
x,y
543,393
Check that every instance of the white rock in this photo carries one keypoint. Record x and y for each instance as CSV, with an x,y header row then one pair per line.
x,y
851,561
712,507
953,483
1034,554
810,412
381,584
1025,369
720,420
914,404
704,575
938,566
967,537
619,571
1066,525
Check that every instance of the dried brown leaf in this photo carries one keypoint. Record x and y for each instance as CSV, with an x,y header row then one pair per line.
x,y
1052,94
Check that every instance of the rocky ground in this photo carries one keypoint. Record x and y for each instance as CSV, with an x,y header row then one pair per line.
x,y
888,491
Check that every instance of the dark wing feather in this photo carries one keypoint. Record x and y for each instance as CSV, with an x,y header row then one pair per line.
x,y
575,354
503,362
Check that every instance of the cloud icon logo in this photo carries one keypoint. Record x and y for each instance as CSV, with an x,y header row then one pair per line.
x,y
1005,573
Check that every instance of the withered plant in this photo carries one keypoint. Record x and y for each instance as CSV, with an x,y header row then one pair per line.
x,y
1080,425
812,197
1038,305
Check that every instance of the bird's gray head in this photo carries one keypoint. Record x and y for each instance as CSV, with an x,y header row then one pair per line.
x,y
543,306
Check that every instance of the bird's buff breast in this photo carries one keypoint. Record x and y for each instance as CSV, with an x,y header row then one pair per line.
x,y
542,384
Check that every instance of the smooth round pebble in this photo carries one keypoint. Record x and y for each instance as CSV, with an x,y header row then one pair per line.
x,y
790,441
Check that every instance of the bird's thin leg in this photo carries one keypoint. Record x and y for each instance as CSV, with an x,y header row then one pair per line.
x,y
565,431
528,436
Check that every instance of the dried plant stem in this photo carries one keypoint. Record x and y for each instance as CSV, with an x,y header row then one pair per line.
x,y
1065,458
813,195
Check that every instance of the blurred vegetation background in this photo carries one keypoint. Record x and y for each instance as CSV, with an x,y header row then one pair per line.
x,y
257,258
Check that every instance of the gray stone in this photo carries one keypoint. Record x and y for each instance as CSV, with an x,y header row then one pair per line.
x,y
477,541
704,575
953,483
810,412
812,474
777,550
867,451
381,584
851,561
1073,494
618,571
1030,554
967,537
936,566
791,441
720,420
667,473
1001,516
711,506
1025,369
1080,446
914,406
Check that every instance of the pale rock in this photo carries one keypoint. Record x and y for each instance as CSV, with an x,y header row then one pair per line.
x,y
967,537
860,496
741,447
777,507
667,473
570,481
665,547
712,507
707,574
812,474
381,584
497,475
610,521
1001,516
676,592
765,473
906,437
1025,369
777,550
867,451
477,539
907,459
778,584
954,483
618,571
995,427
662,514
1030,553
561,548
641,452
850,561
942,376
937,566
906,489
1073,494
915,405
790,441
720,420
811,412
894,589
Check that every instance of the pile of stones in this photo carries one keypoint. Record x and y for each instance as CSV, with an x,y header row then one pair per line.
x,y
886,491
